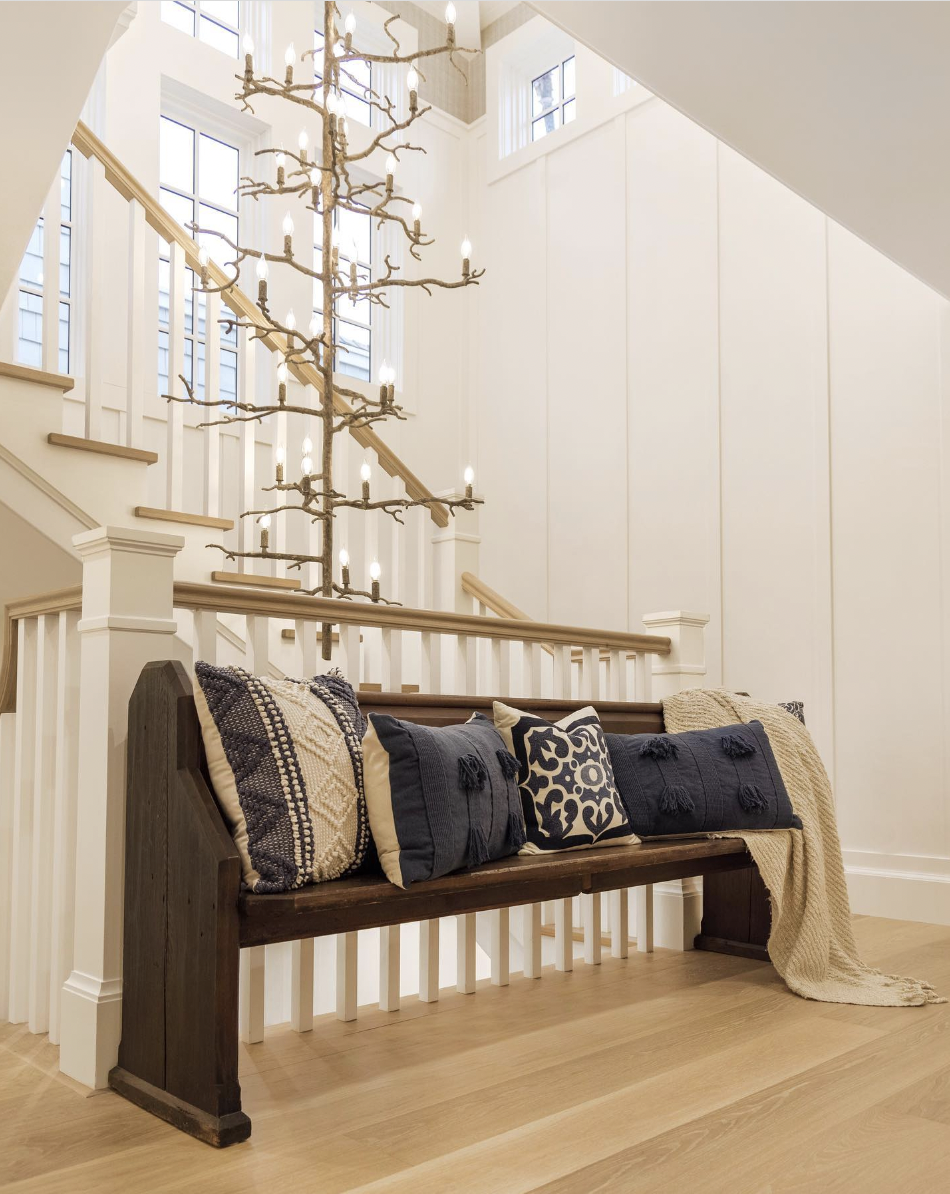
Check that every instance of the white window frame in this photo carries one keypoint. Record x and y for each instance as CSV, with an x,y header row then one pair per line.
x,y
195,8
364,270
560,106
38,290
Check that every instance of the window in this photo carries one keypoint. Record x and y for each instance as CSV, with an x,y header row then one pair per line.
x,y
352,325
355,80
198,176
216,22
32,282
552,99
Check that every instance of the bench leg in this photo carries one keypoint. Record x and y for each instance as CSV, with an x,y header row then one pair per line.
x,y
736,914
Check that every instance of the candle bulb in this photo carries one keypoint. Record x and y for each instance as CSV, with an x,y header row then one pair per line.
x,y
344,129
203,258
306,448
334,250
469,482
384,384
302,142
282,383
390,171
349,28
291,322
265,532
315,187
374,574
289,55
345,567
288,226
332,107
281,163
261,282
279,457
450,17
306,470
466,257
248,58
365,474
314,328
417,220
412,82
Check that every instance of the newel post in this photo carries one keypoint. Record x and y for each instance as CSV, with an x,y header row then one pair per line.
x,y
127,620
454,551
678,903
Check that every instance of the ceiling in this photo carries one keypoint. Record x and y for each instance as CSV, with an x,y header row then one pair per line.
x,y
49,55
473,16
847,103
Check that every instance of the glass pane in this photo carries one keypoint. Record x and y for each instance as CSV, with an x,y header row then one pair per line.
x,y
225,11
30,342
218,221
66,187
357,109
200,384
358,311
188,369
183,210
545,124
570,111
544,92
178,15
229,376
202,310
217,172
227,337
354,229
64,337
318,56
31,268
353,351
176,156
164,275
163,362
220,38
65,240
189,302
356,77
569,78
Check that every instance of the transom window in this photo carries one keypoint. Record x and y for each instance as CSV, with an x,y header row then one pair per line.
x,y
216,22
354,77
33,284
352,324
198,176
552,99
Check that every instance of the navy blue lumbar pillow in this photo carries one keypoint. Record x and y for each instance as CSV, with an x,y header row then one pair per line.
x,y
702,781
440,798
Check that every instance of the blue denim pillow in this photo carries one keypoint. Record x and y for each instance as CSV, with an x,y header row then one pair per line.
x,y
702,781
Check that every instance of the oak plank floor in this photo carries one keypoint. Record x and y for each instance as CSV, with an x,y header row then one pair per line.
x,y
665,1073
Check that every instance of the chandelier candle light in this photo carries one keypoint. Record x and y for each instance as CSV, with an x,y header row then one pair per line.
x,y
318,178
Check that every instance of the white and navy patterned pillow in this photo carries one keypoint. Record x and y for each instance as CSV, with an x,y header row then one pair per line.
x,y
796,708
568,794
287,770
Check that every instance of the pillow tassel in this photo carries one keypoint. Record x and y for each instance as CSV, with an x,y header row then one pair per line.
x,y
736,747
508,763
472,773
751,799
659,747
676,799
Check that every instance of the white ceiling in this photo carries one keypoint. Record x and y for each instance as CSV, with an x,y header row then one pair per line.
x,y
847,103
49,55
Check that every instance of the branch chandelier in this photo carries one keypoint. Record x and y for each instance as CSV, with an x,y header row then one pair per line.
x,y
322,182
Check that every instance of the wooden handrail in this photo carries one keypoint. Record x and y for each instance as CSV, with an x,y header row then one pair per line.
x,y
90,146
490,599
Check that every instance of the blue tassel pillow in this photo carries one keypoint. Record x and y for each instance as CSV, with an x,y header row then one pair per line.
x,y
568,794
439,798
702,781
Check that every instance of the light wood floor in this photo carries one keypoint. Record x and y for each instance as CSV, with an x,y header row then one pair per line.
x,y
666,1073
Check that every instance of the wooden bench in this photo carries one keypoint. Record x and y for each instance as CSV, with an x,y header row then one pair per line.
x,y
186,917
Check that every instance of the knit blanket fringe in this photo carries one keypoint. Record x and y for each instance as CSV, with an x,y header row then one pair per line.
x,y
812,943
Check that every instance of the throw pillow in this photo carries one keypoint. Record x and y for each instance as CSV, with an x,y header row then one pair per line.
x,y
568,794
439,798
701,781
796,708
285,764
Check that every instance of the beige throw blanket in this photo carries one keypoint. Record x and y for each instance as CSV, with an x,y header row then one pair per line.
x,y
812,944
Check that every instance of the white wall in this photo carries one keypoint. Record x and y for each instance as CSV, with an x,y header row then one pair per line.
x,y
697,392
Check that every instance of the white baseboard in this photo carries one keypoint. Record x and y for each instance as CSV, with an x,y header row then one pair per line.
x,y
901,886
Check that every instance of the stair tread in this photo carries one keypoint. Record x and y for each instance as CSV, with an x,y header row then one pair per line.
x,y
198,520
59,381
103,448
251,578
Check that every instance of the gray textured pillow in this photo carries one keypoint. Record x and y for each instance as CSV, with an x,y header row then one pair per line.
x,y
285,764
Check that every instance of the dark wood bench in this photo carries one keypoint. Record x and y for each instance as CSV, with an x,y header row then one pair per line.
x,y
186,917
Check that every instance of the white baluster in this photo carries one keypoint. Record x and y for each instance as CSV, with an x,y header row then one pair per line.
x,y
389,962
51,235
645,919
305,643
562,671
206,635
350,652
137,328
617,669
431,680
643,675
592,928
8,731
24,760
465,953
256,643
93,268
174,465
619,927
251,999
247,471
590,674
563,935
466,680
536,674
531,940
346,958
500,667
44,758
429,961
500,946
301,985
392,661
212,433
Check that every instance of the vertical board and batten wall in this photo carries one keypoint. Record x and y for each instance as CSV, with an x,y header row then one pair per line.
x,y
783,391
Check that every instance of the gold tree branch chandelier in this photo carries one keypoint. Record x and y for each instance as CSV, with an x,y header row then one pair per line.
x,y
323,183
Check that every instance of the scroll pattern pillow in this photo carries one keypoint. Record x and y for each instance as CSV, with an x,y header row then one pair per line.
x,y
286,767
701,781
439,798
568,794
